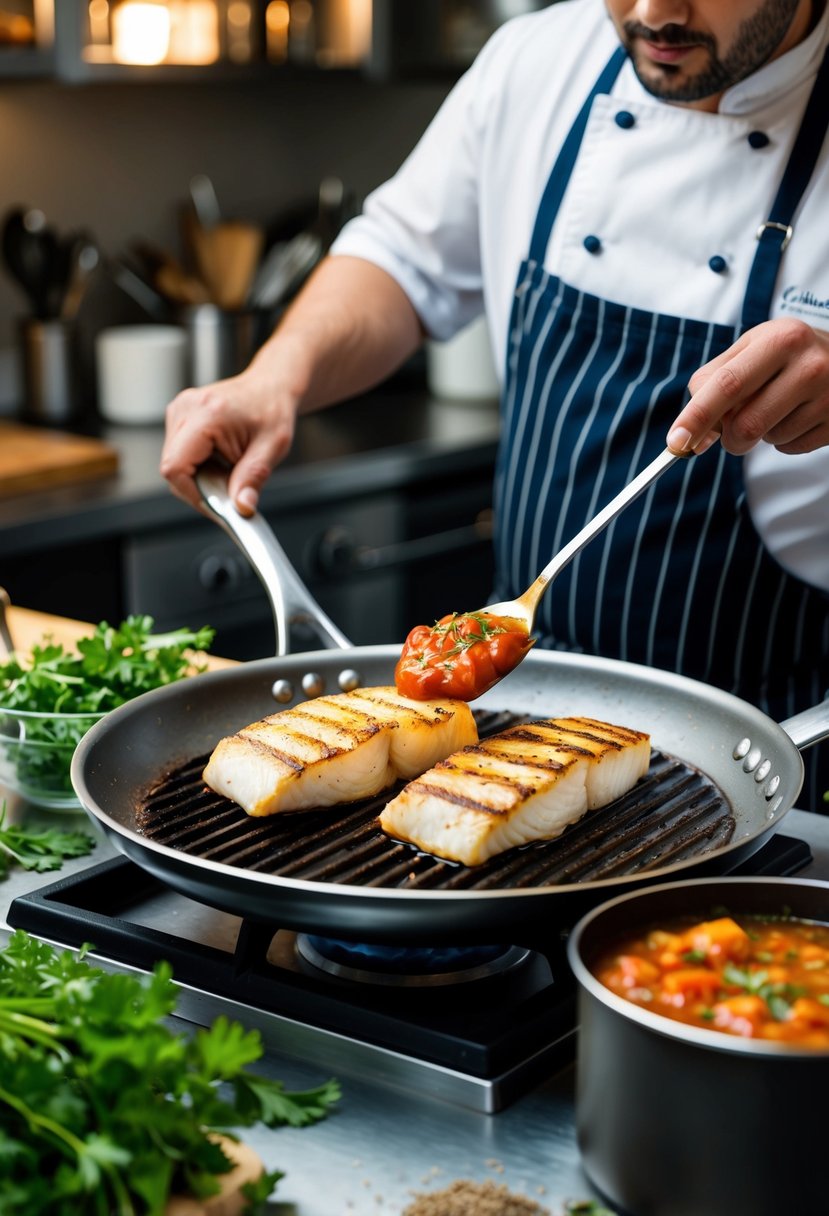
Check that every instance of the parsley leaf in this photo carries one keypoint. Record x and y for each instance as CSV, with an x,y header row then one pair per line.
x,y
38,849
107,669
104,1107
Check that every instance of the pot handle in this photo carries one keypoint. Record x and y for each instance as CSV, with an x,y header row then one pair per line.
x,y
289,597
808,727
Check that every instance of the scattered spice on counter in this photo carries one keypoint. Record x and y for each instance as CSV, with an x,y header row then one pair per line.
x,y
465,1198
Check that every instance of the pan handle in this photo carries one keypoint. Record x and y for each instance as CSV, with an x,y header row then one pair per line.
x,y
6,643
808,727
290,599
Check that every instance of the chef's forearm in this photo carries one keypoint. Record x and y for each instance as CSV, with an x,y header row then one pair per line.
x,y
350,328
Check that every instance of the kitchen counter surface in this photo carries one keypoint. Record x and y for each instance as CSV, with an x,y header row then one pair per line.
x,y
382,1145
380,440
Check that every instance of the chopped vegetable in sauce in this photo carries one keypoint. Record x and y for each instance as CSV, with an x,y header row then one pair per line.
x,y
759,978
460,656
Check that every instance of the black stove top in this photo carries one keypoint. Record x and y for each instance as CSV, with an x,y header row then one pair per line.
x,y
480,1029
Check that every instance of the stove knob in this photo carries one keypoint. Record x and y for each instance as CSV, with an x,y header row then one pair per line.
x,y
348,680
313,684
282,691
216,572
334,553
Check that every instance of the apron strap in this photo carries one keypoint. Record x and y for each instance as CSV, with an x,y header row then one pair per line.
x,y
774,235
559,178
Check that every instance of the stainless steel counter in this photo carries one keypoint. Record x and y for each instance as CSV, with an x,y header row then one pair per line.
x,y
382,1145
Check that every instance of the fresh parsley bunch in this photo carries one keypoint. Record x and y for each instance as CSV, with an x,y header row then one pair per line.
x,y
105,1110
108,668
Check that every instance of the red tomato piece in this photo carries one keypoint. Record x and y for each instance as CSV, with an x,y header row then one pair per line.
x,y
461,656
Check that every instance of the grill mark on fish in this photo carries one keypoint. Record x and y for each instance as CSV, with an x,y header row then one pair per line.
x,y
335,750
482,774
337,722
616,744
543,781
524,735
331,749
178,811
503,757
266,750
456,799
352,709
430,717
547,740
325,751
604,730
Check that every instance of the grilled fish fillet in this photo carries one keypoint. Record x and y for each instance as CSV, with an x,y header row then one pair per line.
x,y
527,783
336,749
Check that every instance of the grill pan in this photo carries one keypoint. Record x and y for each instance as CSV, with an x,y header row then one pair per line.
x,y
722,777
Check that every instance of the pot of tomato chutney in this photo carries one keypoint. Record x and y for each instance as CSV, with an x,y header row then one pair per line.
x,y
703,1052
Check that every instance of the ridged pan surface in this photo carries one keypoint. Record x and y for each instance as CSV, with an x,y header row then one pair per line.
x,y
701,808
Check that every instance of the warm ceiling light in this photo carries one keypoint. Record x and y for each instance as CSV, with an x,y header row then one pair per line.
x,y
277,25
278,16
194,32
140,33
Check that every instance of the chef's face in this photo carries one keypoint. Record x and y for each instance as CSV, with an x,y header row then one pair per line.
x,y
691,51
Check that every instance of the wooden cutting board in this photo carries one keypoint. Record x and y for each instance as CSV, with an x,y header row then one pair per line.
x,y
35,459
29,628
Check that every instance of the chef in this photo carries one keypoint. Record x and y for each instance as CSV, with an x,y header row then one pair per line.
x,y
636,193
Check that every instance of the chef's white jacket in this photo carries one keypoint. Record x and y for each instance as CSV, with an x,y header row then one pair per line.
x,y
681,188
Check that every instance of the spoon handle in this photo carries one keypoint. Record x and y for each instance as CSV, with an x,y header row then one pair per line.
x,y
599,522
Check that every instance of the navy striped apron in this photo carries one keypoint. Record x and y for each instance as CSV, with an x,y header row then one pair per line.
x,y
681,579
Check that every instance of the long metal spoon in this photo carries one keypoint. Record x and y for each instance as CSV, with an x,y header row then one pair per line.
x,y
6,642
525,606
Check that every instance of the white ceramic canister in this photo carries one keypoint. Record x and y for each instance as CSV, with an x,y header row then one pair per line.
x,y
140,370
463,368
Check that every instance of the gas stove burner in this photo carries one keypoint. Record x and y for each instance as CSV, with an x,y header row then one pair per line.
x,y
407,966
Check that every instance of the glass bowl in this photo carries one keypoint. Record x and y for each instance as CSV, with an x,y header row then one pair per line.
x,y
35,754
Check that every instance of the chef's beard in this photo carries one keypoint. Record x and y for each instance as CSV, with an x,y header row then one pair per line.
x,y
756,40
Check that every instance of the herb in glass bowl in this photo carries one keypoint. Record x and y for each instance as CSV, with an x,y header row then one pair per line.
x,y
50,699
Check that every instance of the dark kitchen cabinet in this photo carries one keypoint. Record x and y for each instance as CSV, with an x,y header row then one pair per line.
x,y
81,581
435,38
377,562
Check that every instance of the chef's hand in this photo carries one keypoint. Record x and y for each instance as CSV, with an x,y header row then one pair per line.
x,y
772,386
242,419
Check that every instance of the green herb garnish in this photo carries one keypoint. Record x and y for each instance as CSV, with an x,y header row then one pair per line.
x,y
104,1108
108,669
463,641
38,849
778,997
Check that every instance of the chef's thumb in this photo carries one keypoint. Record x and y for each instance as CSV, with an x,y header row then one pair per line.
x,y
247,479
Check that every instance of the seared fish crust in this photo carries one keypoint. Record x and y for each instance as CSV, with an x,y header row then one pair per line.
x,y
527,783
336,749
